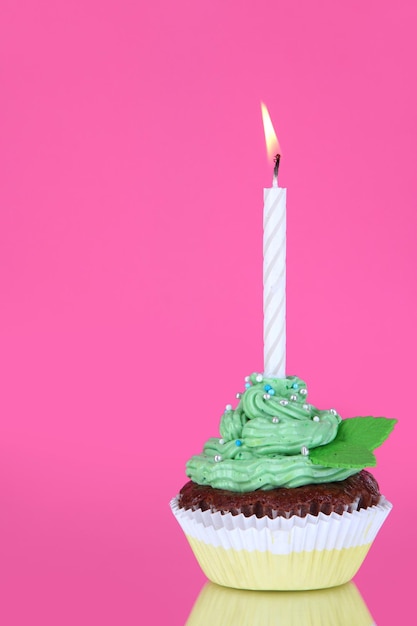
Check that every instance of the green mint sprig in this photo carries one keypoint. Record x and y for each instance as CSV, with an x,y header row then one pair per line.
x,y
353,446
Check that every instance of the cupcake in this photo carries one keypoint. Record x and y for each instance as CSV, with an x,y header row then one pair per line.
x,y
282,501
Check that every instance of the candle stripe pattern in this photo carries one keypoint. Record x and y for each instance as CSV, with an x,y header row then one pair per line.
x,y
274,273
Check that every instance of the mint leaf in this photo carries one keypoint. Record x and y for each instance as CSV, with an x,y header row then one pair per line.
x,y
352,447
343,454
370,432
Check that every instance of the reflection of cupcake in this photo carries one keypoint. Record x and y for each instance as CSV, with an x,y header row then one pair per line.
x,y
341,606
280,501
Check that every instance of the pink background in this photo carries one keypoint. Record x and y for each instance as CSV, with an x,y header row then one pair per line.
x,y
131,175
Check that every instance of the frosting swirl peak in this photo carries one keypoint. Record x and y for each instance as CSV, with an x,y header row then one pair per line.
x,y
265,441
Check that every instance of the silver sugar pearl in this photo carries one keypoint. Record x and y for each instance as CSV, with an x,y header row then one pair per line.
x,y
293,398
303,392
218,458
259,378
333,411
221,442
266,396
283,402
228,407
316,418
275,420
304,450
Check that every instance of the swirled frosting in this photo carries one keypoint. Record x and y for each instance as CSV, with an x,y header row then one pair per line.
x,y
265,441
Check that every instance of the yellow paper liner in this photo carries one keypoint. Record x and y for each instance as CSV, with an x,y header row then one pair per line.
x,y
281,554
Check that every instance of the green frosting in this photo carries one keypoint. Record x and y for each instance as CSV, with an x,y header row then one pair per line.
x,y
275,438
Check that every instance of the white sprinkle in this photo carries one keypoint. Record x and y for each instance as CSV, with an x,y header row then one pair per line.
x,y
266,396
293,397
304,450
221,441
316,418
333,411
303,392
306,407
218,458
259,378
228,407
238,395
283,402
247,379
275,420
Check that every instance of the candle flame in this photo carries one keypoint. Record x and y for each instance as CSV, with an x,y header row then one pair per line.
x,y
272,144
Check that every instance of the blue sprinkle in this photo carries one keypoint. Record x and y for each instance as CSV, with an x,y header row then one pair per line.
x,y
271,392
238,442
247,385
295,386
267,387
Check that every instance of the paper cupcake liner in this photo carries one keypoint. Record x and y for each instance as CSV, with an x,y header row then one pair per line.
x,y
340,606
311,552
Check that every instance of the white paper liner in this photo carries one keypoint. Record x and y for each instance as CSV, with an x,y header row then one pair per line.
x,y
281,535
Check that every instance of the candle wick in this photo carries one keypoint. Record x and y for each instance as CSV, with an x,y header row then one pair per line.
x,y
276,168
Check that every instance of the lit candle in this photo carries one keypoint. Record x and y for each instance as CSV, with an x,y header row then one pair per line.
x,y
274,274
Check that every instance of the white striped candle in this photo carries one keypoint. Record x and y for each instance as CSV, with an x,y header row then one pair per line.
x,y
274,267
274,273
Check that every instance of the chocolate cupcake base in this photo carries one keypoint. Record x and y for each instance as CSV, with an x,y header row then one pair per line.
x,y
357,492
